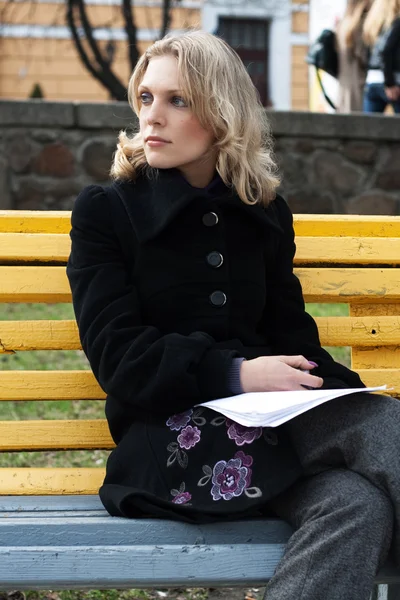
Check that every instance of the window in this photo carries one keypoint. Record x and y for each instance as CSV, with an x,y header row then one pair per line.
x,y
250,39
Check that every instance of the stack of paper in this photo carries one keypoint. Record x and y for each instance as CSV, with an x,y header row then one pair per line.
x,y
270,409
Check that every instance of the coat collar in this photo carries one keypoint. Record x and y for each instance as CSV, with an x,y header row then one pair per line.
x,y
152,202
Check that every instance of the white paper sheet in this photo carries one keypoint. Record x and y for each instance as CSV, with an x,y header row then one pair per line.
x,y
270,409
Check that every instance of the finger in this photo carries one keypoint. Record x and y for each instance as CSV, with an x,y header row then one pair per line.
x,y
310,381
297,362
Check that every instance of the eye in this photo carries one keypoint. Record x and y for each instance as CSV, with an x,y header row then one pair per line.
x,y
178,101
145,98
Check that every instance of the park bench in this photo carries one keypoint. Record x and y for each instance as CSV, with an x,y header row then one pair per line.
x,y
54,532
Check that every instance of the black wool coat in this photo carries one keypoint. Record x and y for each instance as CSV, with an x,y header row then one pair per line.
x,y
169,284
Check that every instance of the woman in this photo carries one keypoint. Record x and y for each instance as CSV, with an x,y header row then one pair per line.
x,y
183,288
382,35
353,56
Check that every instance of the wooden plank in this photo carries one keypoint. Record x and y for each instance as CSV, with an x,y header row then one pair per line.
x,y
49,504
140,566
50,284
373,310
50,481
66,530
49,385
34,284
19,336
55,435
368,331
346,225
350,285
35,221
377,377
81,385
34,247
348,250
20,248
20,221
376,358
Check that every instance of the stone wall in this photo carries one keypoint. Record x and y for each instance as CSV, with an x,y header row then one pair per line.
x,y
329,163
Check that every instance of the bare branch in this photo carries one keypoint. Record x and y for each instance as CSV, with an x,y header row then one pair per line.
x,y
113,83
166,17
118,94
131,33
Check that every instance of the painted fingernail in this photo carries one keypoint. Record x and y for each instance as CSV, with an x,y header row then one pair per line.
x,y
314,364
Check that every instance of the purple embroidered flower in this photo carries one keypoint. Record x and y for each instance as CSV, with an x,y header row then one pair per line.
x,y
189,437
176,422
247,461
231,478
242,435
182,498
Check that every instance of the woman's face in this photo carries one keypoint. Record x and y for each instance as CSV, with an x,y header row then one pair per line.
x,y
172,135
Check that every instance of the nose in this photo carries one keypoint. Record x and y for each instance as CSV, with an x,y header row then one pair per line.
x,y
156,114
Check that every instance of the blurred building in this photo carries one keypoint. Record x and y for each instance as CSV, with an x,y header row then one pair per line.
x,y
38,56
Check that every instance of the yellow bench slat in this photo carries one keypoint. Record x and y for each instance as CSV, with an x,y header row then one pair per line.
x,y
49,385
350,285
55,435
34,284
376,358
348,250
347,225
359,331
376,377
49,247
50,284
34,247
35,221
21,221
17,336
48,481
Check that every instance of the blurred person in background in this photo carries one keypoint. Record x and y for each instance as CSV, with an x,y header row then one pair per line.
x,y
352,56
382,34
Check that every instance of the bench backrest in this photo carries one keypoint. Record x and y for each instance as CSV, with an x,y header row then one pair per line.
x,y
340,259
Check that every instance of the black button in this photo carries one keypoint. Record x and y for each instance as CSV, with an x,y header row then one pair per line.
x,y
218,298
215,259
210,219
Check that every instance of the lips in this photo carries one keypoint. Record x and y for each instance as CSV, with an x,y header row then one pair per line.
x,y
155,138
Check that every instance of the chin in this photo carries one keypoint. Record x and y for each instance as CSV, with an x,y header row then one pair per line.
x,y
160,163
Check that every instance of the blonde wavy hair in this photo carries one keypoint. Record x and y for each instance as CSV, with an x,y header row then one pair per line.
x,y
352,21
220,93
380,17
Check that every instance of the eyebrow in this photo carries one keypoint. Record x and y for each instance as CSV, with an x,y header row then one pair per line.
x,y
147,87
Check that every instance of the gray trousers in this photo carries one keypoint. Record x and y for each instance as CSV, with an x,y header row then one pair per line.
x,y
346,510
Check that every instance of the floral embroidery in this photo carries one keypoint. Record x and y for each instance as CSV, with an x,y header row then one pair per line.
x,y
231,478
180,420
242,435
177,455
197,419
180,496
189,437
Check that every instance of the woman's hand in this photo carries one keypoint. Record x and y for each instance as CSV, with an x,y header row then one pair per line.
x,y
277,373
393,93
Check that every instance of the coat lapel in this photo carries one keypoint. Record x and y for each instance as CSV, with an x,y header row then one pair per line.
x,y
153,203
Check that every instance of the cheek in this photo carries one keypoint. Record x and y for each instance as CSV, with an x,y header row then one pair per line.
x,y
197,133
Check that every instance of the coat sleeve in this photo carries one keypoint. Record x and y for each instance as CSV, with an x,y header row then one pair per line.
x,y
132,361
389,54
286,323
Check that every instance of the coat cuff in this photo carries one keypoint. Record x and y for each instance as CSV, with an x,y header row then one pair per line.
x,y
212,374
234,383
